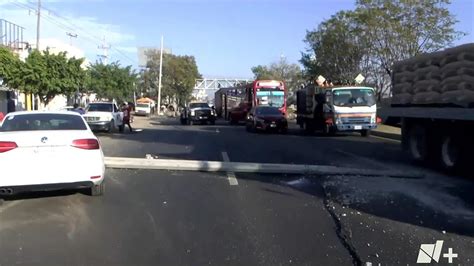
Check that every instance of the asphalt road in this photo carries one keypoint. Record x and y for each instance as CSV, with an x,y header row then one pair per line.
x,y
198,218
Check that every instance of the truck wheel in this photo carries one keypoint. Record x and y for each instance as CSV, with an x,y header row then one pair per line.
x,y
328,130
418,143
183,121
450,153
111,128
365,133
308,128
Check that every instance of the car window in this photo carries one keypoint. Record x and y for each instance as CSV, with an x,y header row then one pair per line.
x,y
32,122
99,107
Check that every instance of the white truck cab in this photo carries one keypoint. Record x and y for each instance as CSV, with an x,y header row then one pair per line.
x,y
337,108
104,116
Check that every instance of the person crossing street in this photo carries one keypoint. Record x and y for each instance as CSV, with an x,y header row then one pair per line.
x,y
126,109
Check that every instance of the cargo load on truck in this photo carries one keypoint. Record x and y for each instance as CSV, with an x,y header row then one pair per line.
x,y
444,78
433,102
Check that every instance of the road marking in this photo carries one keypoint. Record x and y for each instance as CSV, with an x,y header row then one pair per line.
x,y
230,175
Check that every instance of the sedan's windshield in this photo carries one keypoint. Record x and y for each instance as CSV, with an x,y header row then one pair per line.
x,y
354,97
99,107
198,105
32,122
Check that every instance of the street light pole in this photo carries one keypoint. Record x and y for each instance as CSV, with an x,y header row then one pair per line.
x,y
159,78
38,19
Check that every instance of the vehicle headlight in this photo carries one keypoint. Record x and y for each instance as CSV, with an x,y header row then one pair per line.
x,y
213,113
338,120
192,112
373,119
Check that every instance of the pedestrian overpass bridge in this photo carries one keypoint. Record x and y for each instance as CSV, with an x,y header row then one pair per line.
x,y
204,89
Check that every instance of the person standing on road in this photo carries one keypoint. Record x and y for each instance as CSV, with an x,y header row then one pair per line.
x,y
126,115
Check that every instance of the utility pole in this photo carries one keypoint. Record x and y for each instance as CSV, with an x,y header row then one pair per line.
x,y
38,16
159,79
105,54
38,21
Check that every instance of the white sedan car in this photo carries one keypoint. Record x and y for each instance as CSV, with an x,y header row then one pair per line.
x,y
41,151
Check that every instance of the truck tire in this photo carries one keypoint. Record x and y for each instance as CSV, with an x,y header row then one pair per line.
x,y
308,128
365,133
450,152
418,143
183,121
328,130
111,128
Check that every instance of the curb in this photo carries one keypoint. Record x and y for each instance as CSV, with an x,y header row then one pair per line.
x,y
386,135
244,167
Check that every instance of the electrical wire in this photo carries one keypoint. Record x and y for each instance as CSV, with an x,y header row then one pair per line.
x,y
71,27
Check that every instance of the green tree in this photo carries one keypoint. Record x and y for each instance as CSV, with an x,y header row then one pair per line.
x,y
47,75
111,81
335,51
398,30
179,75
376,34
281,70
10,68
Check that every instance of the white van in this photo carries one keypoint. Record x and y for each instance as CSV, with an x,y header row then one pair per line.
x,y
143,109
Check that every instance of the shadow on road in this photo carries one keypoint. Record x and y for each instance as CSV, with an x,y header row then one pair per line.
x,y
204,143
42,194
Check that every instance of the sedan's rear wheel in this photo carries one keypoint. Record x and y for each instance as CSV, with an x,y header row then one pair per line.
x,y
97,190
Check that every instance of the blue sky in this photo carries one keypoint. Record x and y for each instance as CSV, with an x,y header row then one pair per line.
x,y
226,37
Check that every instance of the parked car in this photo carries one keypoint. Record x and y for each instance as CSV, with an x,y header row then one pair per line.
x,y
104,116
266,118
198,112
43,151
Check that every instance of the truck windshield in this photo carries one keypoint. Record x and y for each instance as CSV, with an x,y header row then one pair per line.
x,y
99,107
271,98
143,105
353,97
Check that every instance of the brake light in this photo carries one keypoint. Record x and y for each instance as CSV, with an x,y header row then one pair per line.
x,y
379,120
86,144
7,146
